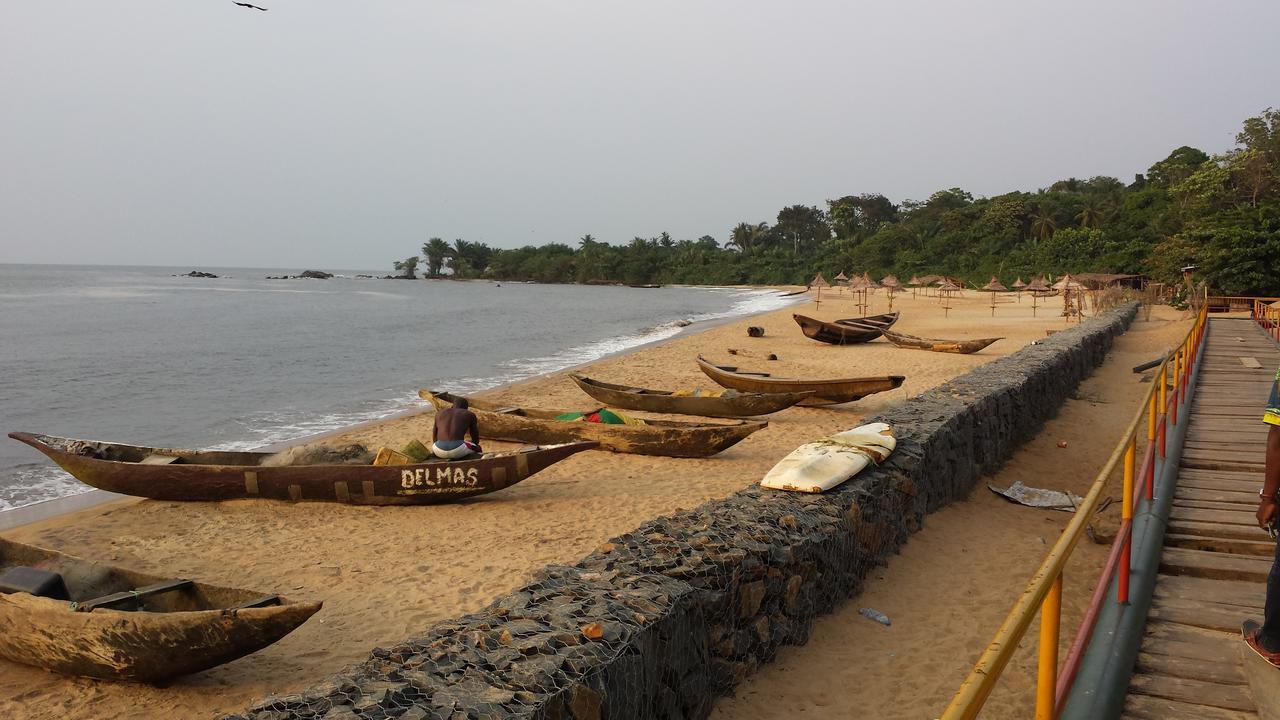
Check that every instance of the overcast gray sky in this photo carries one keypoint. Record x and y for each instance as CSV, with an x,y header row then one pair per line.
x,y
344,134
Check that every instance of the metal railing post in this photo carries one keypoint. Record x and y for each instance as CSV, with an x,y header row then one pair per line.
x,y
1047,671
1150,479
1126,518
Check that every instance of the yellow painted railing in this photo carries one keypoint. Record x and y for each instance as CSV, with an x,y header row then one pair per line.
x,y
1043,593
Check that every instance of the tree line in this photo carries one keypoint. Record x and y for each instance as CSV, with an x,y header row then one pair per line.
x,y
1219,212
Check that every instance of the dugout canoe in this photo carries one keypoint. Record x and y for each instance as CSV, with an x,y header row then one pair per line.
x,y
962,347
825,392
173,474
731,404
668,438
97,620
849,331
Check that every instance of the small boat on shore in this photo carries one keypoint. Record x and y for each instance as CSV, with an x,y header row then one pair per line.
x,y
669,438
730,403
825,392
80,617
849,331
172,474
962,347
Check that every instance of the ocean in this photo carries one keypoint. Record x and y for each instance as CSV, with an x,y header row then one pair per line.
x,y
139,355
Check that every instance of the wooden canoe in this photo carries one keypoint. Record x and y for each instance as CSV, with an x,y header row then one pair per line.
x,y
849,331
102,621
731,404
669,438
171,474
825,392
963,347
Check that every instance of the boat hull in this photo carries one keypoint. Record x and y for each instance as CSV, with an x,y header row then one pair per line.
x,y
731,406
666,438
825,392
850,331
419,484
961,347
143,646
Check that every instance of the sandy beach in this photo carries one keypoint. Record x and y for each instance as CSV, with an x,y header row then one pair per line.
x,y
386,573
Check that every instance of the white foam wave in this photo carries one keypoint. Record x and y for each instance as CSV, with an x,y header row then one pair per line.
x,y
36,483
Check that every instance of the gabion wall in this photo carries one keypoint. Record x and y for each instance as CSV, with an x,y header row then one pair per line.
x,y
660,621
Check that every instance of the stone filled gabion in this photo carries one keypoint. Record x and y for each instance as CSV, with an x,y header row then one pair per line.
x,y
658,622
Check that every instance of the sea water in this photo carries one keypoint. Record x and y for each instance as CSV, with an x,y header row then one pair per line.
x,y
139,355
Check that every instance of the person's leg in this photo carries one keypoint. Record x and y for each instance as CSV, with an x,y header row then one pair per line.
x,y
1269,635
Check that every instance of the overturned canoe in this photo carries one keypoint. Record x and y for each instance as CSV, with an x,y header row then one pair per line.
x,y
730,404
825,392
81,617
171,474
849,331
963,347
669,438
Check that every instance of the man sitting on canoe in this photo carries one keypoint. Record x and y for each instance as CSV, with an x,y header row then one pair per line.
x,y
448,435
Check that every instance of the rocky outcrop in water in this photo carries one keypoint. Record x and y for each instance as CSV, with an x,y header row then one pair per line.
x,y
197,274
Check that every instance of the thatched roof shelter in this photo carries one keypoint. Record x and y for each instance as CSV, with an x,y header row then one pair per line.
x,y
1037,285
1018,284
995,285
929,279
841,276
868,283
915,280
1068,283
891,282
819,281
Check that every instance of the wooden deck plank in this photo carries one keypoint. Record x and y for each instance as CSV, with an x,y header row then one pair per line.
x,y
1194,692
1264,547
1208,615
1219,565
1146,707
1226,592
1174,666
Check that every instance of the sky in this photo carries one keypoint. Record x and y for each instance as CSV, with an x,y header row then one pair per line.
x,y
345,134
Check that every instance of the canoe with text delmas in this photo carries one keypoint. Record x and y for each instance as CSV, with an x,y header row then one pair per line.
x,y
962,347
668,438
80,617
849,331
171,474
729,404
825,392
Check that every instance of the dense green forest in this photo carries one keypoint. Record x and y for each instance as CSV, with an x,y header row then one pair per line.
x,y
1220,213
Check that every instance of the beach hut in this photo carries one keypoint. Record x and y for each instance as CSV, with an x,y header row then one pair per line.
x,y
819,282
994,287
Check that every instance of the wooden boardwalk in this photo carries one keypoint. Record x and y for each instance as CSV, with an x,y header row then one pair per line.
x,y
1215,561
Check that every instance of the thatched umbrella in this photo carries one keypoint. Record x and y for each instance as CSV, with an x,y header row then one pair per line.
x,y
858,284
819,282
841,278
946,289
1036,287
891,284
1017,287
914,283
994,287
1072,289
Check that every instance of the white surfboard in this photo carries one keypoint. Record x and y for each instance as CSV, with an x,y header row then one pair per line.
x,y
821,465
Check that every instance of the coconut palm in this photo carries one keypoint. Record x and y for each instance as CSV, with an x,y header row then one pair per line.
x,y
435,251
1091,215
1043,225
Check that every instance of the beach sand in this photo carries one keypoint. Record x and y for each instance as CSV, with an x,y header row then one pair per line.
x,y
385,573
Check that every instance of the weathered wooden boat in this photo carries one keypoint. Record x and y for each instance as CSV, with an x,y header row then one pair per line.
x,y
171,474
97,620
669,438
729,404
963,347
825,392
849,331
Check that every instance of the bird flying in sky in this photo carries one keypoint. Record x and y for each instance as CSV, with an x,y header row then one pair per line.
x,y
247,5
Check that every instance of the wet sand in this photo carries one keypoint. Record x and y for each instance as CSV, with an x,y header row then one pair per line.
x,y
387,573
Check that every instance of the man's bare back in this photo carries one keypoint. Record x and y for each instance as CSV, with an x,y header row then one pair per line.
x,y
453,424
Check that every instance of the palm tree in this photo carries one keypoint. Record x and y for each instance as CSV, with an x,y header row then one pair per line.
x,y
457,255
747,237
1090,216
435,250
1043,225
